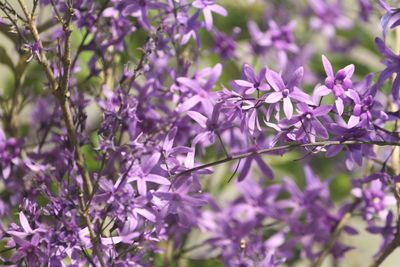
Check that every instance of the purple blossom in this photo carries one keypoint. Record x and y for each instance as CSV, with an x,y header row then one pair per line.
x,y
386,20
392,63
113,168
34,50
207,7
201,88
142,174
286,92
277,37
366,8
364,111
328,16
30,251
387,231
252,82
307,122
190,28
248,163
281,37
10,150
375,199
338,83
183,204
225,45
139,9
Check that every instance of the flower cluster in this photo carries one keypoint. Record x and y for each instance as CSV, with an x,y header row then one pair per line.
x,y
156,127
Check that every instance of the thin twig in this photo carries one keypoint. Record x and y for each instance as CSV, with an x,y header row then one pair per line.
x,y
61,91
386,252
279,148
336,233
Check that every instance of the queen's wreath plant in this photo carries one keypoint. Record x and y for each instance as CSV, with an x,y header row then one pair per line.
x,y
199,133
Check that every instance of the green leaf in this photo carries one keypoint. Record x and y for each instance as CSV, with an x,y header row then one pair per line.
x,y
90,158
5,59
340,187
94,138
205,263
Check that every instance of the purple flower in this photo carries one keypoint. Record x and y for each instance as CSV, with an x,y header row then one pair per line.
x,y
225,45
142,174
328,17
252,82
277,37
139,9
183,204
209,124
286,92
34,50
338,83
354,153
28,243
211,128
209,6
392,63
30,251
281,37
366,8
190,28
201,88
363,113
27,229
307,122
387,231
10,150
260,41
170,152
375,199
245,169
387,18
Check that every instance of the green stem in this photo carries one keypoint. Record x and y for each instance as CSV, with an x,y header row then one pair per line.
x,y
61,92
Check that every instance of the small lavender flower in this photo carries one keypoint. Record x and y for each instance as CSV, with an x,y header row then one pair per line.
x,y
328,17
307,122
374,198
225,45
366,8
392,63
201,88
142,174
338,83
34,50
140,9
10,150
281,37
364,112
284,92
190,28
387,18
207,7
387,231
248,163
183,203
252,82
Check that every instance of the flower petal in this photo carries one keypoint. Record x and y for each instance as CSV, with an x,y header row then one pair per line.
x,y
199,118
24,223
275,80
288,107
327,66
273,97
